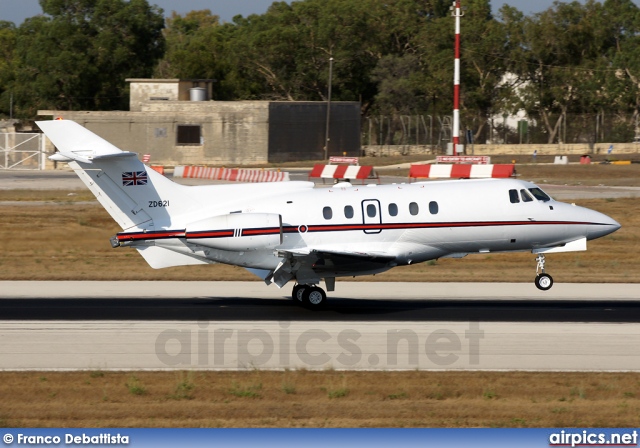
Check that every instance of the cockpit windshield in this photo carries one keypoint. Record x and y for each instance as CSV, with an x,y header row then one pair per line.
x,y
539,194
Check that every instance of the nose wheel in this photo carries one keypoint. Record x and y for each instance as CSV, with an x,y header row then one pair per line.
x,y
543,280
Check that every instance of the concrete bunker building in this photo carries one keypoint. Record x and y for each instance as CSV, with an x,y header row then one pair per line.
x,y
174,122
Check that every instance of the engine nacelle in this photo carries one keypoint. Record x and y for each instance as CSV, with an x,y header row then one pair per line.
x,y
237,231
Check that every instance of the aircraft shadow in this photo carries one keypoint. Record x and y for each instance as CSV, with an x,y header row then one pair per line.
x,y
337,309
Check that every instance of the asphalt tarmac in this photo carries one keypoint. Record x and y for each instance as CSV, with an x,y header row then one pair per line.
x,y
370,326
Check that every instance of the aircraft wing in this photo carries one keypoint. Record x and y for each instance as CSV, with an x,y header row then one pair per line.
x,y
323,261
309,265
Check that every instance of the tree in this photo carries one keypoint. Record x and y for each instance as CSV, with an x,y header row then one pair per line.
x,y
400,88
483,56
7,44
284,54
197,48
79,53
571,58
619,27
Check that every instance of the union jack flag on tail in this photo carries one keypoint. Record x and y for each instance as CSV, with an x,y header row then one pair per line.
x,y
134,178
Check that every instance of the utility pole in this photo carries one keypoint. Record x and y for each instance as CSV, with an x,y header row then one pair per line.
x,y
456,11
326,135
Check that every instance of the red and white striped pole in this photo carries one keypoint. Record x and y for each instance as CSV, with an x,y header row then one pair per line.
x,y
457,13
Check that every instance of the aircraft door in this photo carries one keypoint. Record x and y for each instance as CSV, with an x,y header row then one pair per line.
x,y
371,215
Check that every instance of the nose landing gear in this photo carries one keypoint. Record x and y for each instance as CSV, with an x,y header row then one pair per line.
x,y
543,281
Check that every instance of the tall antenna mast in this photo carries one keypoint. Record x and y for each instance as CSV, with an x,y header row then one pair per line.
x,y
456,12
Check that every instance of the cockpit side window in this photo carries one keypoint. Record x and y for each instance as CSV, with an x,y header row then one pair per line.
x,y
513,196
539,194
526,197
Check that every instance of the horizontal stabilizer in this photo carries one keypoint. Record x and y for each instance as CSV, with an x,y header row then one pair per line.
x,y
160,257
75,142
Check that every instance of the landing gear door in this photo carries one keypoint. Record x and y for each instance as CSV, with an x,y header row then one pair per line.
x,y
371,216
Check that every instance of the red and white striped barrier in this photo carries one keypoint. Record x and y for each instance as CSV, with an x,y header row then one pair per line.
x,y
461,171
230,174
480,160
343,172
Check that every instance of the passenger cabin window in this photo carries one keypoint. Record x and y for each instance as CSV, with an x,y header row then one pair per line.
x,y
393,209
433,207
348,212
513,196
371,211
539,194
327,213
526,197
413,208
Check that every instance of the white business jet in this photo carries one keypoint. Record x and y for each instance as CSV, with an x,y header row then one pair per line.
x,y
292,231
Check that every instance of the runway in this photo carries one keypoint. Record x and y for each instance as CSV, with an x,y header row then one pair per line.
x,y
372,326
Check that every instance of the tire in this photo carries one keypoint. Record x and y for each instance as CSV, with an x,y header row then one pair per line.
x,y
298,291
314,297
544,282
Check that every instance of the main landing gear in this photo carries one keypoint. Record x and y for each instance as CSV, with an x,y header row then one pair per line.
x,y
543,281
311,296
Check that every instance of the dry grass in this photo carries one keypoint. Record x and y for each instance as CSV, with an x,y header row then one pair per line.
x,y
71,242
55,196
319,399
612,175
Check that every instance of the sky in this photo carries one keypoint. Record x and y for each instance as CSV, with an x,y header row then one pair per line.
x,y
17,10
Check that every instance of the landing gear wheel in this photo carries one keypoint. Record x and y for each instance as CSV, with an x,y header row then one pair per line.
x,y
297,292
544,282
314,297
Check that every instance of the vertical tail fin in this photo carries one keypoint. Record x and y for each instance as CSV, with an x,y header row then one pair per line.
x,y
136,197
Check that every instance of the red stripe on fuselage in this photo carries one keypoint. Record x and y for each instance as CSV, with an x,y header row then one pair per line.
x,y
227,233
265,231
210,234
152,235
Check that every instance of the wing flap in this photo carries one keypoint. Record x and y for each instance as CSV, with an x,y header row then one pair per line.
x,y
336,263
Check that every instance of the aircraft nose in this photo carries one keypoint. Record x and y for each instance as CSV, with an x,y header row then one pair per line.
x,y
601,225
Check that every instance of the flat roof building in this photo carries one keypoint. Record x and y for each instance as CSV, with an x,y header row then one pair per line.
x,y
175,122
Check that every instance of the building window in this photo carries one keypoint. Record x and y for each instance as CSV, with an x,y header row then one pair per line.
x,y
433,207
413,208
327,213
189,134
348,212
393,209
